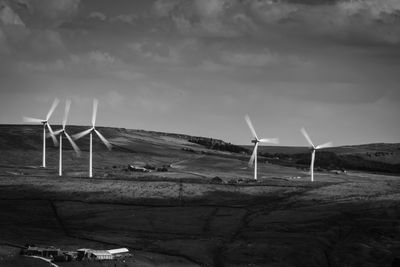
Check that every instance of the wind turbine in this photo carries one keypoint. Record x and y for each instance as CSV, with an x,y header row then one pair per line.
x,y
313,149
256,142
90,132
45,123
63,132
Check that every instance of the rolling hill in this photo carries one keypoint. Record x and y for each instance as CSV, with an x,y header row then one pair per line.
x,y
379,158
198,207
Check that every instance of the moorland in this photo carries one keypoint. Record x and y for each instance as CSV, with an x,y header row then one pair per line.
x,y
199,205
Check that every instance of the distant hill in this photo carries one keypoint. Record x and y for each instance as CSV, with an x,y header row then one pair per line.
x,y
30,137
377,157
206,142
381,157
279,149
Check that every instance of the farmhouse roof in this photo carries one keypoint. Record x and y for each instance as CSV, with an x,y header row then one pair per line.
x,y
118,250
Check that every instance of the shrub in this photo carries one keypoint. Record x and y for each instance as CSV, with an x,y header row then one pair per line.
x,y
216,180
149,167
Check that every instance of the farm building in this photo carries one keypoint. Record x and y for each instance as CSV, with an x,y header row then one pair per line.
x,y
100,255
49,252
137,169
119,252
58,255
90,254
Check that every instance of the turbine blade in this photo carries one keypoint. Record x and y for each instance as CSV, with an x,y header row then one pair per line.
x,y
74,146
53,107
50,129
253,131
108,145
57,132
270,140
326,145
81,134
32,120
251,161
52,135
303,131
67,107
94,114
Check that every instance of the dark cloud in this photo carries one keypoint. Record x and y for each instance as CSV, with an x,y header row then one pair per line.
x,y
312,2
8,16
366,20
45,13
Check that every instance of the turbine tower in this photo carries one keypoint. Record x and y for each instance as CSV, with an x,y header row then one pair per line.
x,y
45,123
256,142
313,149
90,132
62,132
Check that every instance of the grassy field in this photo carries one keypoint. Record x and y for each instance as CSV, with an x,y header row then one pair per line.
x,y
180,217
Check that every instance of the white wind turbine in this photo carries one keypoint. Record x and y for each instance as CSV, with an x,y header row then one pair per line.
x,y
62,132
313,149
90,132
45,123
256,141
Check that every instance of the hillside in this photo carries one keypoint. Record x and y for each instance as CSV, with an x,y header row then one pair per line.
x,y
30,137
177,155
380,157
166,148
198,207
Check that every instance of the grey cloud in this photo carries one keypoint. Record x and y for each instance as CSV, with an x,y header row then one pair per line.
x,y
184,52
89,62
55,9
46,43
349,22
260,59
374,8
8,16
23,43
163,8
329,92
204,28
198,18
97,15
340,93
345,21
124,18
46,13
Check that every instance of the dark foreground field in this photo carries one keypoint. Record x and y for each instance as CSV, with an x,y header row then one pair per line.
x,y
181,218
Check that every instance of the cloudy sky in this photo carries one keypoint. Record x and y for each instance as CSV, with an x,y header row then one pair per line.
x,y
198,67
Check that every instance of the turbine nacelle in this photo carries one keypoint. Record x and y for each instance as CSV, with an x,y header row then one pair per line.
x,y
45,122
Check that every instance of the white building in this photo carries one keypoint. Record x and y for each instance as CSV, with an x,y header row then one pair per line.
x,y
101,255
118,251
91,254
